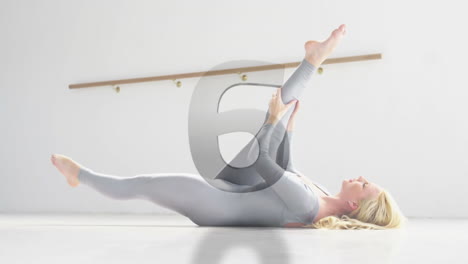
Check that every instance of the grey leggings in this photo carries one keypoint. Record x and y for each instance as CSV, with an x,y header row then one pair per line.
x,y
286,199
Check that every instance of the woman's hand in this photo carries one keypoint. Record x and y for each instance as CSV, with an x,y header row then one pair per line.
x,y
291,121
277,108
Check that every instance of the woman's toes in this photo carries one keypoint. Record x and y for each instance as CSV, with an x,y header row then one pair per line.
x,y
336,36
343,28
53,159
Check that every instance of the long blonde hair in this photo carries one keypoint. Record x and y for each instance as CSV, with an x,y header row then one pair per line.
x,y
378,213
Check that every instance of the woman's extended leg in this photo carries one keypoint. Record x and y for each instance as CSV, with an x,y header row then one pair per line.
x,y
187,194
316,53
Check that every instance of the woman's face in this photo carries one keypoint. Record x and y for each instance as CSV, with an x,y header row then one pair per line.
x,y
358,189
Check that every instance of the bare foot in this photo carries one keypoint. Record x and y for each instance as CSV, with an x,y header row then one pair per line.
x,y
67,167
317,52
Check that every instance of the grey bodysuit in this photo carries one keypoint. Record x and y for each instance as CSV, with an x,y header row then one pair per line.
x,y
286,200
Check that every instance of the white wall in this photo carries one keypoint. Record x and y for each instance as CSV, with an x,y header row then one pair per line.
x,y
400,121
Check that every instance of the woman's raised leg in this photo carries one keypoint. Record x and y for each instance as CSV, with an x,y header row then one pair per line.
x,y
315,53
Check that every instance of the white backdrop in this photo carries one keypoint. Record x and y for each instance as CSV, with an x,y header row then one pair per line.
x,y
400,121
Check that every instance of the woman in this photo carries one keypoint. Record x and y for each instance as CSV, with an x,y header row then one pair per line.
x,y
289,199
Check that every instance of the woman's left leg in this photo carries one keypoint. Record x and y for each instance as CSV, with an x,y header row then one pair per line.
x,y
186,194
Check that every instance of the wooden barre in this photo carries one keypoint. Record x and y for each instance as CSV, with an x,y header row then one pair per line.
x,y
221,72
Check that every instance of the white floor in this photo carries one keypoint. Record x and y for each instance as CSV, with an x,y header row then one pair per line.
x,y
175,239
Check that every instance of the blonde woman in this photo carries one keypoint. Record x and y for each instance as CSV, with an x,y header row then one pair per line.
x,y
285,198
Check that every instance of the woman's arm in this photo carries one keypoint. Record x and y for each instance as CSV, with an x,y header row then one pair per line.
x,y
284,155
299,200
268,169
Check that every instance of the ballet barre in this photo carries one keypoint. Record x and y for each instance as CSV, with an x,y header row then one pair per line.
x,y
174,77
